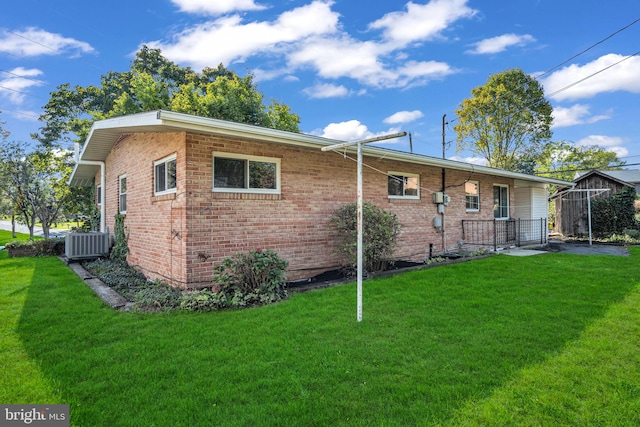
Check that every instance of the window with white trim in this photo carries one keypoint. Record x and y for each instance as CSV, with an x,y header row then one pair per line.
x,y
472,193
403,185
164,173
122,194
500,201
99,195
245,174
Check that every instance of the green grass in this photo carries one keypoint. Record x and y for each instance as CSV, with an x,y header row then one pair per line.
x,y
543,340
5,237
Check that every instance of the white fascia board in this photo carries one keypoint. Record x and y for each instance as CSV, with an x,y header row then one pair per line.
x,y
172,121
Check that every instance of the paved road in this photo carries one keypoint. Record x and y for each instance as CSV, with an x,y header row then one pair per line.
x,y
37,231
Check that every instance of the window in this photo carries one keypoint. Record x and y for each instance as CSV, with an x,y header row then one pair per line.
x,y
99,195
165,175
500,201
245,174
472,192
122,192
403,185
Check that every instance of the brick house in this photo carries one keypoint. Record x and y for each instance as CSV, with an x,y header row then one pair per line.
x,y
194,190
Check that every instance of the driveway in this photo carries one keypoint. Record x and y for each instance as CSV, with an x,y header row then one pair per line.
x,y
586,249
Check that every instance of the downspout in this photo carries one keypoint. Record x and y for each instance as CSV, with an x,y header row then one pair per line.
x,y
102,185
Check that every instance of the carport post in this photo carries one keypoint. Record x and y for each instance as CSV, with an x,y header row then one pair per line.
x,y
359,204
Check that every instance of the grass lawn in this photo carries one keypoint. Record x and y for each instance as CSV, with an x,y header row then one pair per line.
x,y
552,339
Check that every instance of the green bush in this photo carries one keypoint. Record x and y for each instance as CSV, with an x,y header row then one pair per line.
x,y
48,247
120,248
244,280
254,278
379,237
614,214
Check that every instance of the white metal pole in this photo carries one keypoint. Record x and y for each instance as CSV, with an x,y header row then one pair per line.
x,y
359,214
360,217
589,212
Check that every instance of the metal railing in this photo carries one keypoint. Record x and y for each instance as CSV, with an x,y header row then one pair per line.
x,y
498,233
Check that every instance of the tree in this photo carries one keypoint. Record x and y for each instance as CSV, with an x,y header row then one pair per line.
x,y
507,121
33,184
563,159
19,183
153,83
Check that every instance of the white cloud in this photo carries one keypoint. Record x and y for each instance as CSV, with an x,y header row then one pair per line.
x,y
421,22
575,115
35,42
480,161
353,130
216,7
326,90
13,87
500,43
610,143
575,81
361,61
310,37
235,40
403,117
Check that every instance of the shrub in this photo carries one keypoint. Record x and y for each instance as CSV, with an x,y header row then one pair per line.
x,y
613,214
120,248
254,278
379,237
48,247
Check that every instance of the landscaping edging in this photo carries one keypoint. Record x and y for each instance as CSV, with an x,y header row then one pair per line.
x,y
106,294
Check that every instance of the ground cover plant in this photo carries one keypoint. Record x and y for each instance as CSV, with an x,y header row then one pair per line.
x,y
249,279
543,340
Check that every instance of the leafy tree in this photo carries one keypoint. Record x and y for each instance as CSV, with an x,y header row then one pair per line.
x,y
507,120
153,83
563,159
33,184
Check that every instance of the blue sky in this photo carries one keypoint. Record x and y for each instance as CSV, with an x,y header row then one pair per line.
x,y
351,69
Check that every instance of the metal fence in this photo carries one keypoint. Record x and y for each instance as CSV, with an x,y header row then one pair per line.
x,y
501,233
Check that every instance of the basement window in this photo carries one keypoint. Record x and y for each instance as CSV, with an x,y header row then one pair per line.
x,y
245,174
403,185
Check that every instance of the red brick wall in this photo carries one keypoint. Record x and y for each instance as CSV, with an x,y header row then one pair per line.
x,y
150,221
180,238
296,222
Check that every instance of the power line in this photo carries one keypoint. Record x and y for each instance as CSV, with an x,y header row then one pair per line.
x,y
20,92
592,75
27,78
588,49
609,167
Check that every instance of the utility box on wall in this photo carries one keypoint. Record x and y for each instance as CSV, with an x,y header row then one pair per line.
x,y
438,197
437,222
